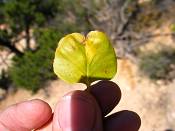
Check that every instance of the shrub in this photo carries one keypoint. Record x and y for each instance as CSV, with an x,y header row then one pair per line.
x,y
34,68
158,65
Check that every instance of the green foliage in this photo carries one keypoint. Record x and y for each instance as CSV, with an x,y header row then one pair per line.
x,y
35,68
80,59
148,17
31,69
29,11
158,65
1,12
22,15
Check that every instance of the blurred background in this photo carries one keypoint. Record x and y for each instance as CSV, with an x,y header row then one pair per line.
x,y
142,32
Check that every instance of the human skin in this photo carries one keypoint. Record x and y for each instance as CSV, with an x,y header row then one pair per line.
x,y
76,111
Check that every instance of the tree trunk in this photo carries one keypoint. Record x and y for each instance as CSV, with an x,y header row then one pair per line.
x,y
27,31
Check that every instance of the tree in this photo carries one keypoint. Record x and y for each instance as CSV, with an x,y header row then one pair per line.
x,y
17,19
33,69
21,16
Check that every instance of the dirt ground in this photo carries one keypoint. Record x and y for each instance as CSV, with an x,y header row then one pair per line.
x,y
154,102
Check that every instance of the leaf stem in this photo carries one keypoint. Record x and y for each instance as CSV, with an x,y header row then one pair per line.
x,y
88,84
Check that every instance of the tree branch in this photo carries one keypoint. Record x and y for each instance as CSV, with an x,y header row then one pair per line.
x,y
18,39
8,44
126,19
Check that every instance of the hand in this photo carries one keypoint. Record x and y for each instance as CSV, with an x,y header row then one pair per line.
x,y
76,111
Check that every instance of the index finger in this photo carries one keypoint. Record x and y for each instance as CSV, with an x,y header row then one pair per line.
x,y
25,116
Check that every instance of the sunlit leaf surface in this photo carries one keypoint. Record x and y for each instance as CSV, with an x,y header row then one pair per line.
x,y
80,59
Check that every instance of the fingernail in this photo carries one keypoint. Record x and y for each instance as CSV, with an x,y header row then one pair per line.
x,y
77,112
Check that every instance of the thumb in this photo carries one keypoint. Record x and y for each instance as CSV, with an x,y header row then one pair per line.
x,y
77,111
